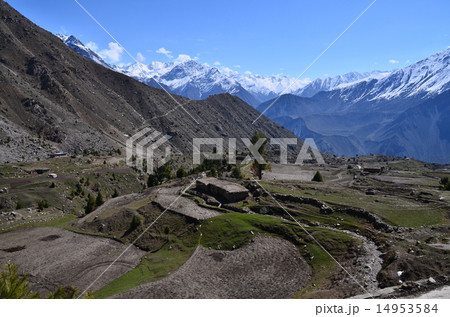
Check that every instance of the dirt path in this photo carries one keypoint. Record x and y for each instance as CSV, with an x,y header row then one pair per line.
x,y
443,292
167,196
268,268
54,257
368,264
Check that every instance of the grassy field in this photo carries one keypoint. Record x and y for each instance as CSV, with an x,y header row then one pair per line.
x,y
395,210
236,229
153,266
228,232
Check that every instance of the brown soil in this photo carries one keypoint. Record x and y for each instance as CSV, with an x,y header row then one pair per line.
x,y
54,257
268,268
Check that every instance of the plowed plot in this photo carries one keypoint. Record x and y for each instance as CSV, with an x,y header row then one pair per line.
x,y
268,268
54,257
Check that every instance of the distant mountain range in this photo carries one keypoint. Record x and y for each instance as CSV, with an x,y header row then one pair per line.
x,y
399,113
350,114
198,81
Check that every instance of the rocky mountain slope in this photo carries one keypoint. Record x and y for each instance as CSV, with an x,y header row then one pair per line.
x,y
52,97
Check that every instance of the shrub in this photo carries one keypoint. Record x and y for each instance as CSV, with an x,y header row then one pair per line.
x,y
163,172
42,204
317,177
181,172
236,172
99,200
115,194
19,205
135,222
152,180
90,206
447,186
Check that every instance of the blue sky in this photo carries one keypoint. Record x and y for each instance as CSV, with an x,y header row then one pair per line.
x,y
264,37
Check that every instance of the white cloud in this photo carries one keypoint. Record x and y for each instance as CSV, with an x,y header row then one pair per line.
x,y
163,51
114,53
247,72
140,58
92,46
228,70
393,61
217,63
237,66
183,58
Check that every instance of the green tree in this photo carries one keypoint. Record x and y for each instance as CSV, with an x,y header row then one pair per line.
x,y
213,171
317,177
152,180
135,222
447,186
13,286
181,172
444,181
90,206
257,167
99,200
163,172
19,205
42,204
236,172
255,138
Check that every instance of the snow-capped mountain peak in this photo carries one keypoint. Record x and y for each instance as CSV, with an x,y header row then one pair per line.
x,y
423,79
75,44
340,81
187,77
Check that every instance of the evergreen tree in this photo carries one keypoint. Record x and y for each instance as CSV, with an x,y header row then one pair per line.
x,y
213,171
258,168
152,180
99,200
12,286
90,206
135,222
19,205
181,172
236,173
163,172
317,177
